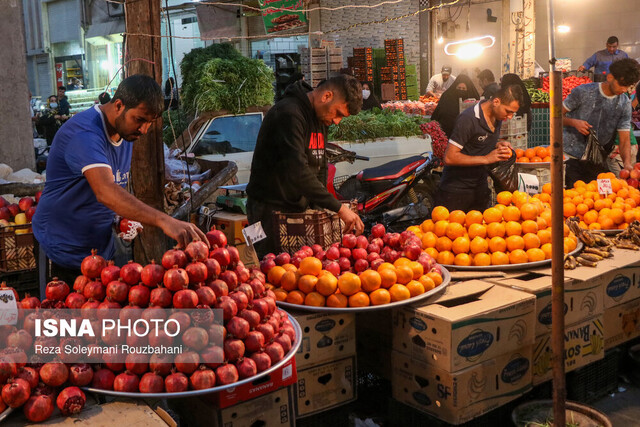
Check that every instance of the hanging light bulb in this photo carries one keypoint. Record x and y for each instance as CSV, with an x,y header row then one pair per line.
x,y
563,28
470,48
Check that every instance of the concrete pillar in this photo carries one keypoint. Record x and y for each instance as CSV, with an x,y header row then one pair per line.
x,y
16,137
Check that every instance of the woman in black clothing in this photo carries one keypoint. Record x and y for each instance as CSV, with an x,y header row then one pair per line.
x,y
525,108
448,107
369,100
50,119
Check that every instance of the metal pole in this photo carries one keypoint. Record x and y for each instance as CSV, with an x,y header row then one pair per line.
x,y
557,231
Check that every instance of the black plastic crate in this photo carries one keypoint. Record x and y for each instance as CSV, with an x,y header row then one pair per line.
x,y
596,380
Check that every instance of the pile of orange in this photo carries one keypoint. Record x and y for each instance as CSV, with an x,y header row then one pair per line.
x,y
598,211
311,285
514,231
534,155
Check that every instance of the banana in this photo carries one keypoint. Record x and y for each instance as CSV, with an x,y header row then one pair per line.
x,y
570,263
585,262
597,344
624,245
591,257
598,252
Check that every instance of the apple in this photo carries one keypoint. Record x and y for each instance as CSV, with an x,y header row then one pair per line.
x,y
378,230
394,255
637,166
270,255
5,214
412,252
373,248
14,209
316,249
20,219
427,261
359,253
333,253
349,241
624,174
378,242
283,258
345,253
635,174
3,202
436,269
344,264
25,203
296,261
361,265
4,223
321,255
361,242
38,195
266,265
30,213
307,251
335,245
216,238
394,240
333,267
633,182
372,256
376,263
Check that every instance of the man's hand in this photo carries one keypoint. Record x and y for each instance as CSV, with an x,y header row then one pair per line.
x,y
628,167
581,68
582,126
430,94
351,220
181,231
503,143
499,154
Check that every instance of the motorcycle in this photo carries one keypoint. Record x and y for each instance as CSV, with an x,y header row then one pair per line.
x,y
397,194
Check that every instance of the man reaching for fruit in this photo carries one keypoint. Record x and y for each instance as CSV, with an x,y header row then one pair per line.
x,y
288,171
87,176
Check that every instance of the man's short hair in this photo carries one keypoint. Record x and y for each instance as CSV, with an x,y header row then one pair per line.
x,y
508,94
349,88
612,40
62,88
486,75
626,71
140,89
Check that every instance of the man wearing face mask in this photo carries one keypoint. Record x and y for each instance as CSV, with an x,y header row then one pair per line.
x,y
369,100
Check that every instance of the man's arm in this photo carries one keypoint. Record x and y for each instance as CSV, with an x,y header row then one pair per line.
x,y
126,205
581,126
590,62
454,157
431,86
625,149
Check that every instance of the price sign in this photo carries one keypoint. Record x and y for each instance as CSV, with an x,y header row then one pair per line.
x,y
528,183
253,233
8,308
604,186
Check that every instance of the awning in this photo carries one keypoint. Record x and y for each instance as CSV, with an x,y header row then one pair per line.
x,y
104,29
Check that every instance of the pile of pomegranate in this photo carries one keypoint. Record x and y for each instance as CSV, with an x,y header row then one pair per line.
x,y
256,334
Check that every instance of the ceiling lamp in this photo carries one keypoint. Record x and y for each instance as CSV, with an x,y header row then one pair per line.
x,y
470,48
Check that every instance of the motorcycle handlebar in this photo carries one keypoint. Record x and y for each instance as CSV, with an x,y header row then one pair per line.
x,y
365,158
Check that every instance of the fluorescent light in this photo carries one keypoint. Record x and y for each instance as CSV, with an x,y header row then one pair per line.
x,y
470,48
563,28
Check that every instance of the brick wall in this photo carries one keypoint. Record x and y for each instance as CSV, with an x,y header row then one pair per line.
x,y
375,34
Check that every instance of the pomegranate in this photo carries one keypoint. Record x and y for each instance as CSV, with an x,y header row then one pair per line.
x,y
217,333
187,362
160,339
275,352
80,374
212,356
230,278
30,375
151,382
186,298
284,340
275,324
234,255
103,379
176,279
137,363
110,273
257,287
258,274
117,290
108,309
246,289
287,328
241,299
261,307
270,298
219,287
21,339
213,268
176,382
197,272
228,307
16,392
92,265
233,349
95,290
206,295
71,400
250,316
56,290
38,408
111,361
227,374
202,378
267,330
75,300
217,239
139,295
16,354
29,302
161,297
130,273
88,309
197,250
254,341
262,360
152,274
246,367
80,283
28,325
161,364
183,319
172,258
238,327
126,381
222,256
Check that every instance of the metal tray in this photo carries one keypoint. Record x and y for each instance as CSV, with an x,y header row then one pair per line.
x,y
511,267
190,393
6,413
446,278
610,232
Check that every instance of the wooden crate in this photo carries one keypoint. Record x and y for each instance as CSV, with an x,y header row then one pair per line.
x,y
307,228
16,248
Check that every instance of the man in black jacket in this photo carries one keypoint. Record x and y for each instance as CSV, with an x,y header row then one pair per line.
x,y
288,171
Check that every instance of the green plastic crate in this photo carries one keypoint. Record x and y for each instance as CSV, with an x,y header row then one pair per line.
x,y
540,132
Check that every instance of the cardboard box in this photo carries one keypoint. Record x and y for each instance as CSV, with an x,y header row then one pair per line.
x,y
283,377
472,322
325,338
374,331
621,285
231,224
582,299
583,344
325,386
621,323
274,409
466,394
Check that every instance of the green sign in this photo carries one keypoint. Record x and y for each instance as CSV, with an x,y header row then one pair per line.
x,y
281,15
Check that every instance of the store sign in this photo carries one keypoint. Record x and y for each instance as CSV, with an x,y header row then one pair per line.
x,y
281,15
60,74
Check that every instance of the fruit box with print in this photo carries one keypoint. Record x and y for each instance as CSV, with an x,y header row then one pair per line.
x,y
621,323
466,394
325,338
471,322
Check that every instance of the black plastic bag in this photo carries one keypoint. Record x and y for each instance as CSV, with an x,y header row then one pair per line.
x,y
595,155
504,175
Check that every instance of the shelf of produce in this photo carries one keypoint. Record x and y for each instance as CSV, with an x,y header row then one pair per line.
x,y
446,279
217,389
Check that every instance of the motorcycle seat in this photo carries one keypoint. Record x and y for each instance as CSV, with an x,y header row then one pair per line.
x,y
391,170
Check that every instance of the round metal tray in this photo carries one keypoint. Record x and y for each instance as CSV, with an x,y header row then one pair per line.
x,y
446,278
511,267
190,393
610,232
6,413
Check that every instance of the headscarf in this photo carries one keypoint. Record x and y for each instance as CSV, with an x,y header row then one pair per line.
x,y
525,108
448,107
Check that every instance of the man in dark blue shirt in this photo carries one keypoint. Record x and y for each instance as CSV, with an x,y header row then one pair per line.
x,y
602,59
474,146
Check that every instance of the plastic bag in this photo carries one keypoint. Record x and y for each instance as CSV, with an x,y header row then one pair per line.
x,y
595,154
175,169
504,174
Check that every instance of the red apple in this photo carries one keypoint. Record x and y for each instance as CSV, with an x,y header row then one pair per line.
x,y
5,214
30,213
283,258
361,242
349,241
3,202
427,261
344,264
345,253
25,203
373,248
270,256
378,242
394,240
635,174
361,265
637,166
321,255
296,261
333,267
316,249
333,253
266,265
359,253
376,263
38,195
624,174
14,209
307,250
378,230
633,182
372,256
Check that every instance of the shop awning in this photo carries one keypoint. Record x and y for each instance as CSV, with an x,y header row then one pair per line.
x,y
104,29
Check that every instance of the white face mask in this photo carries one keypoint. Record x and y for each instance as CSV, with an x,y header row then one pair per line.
x,y
53,105
366,94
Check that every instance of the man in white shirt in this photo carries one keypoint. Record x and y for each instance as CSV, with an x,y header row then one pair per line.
x,y
440,82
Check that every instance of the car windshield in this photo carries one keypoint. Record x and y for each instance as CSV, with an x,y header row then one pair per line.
x,y
230,134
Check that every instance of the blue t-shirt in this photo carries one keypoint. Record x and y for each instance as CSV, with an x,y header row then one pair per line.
x,y
70,221
607,115
602,59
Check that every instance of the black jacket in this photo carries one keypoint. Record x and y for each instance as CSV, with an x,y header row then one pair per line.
x,y
370,103
289,162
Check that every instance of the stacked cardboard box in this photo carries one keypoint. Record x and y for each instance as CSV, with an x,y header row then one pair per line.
x,y
621,305
395,71
466,353
362,63
314,64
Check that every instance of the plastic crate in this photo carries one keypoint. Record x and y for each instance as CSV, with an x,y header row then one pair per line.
x,y
16,248
596,380
540,132
518,141
467,103
23,282
515,126
541,170
313,227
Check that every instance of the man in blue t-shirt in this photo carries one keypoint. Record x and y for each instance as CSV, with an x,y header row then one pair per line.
x,y
605,108
472,148
87,175
602,59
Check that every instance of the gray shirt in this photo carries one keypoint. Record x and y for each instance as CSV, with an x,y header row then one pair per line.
x,y
607,115
437,85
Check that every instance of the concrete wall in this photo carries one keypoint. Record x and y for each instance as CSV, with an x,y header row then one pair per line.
x,y
16,139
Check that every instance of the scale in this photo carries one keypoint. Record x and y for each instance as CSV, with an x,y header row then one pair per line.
x,y
234,199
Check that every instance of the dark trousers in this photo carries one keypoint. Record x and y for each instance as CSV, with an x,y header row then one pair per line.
x,y
576,170
263,212
465,200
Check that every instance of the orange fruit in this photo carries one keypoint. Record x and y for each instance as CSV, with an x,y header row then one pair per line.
x,y
289,281
445,257
436,277
359,299
546,188
307,283
295,297
310,265
544,236
541,151
462,259
349,284
290,267
519,198
455,230
337,300
497,244
519,152
530,153
460,245
617,216
529,226
511,213
327,284
535,254
546,249
528,211
629,216
274,276
427,282
568,209
495,229
415,288
482,259
518,257
606,223
479,245
440,213
371,280
427,225
387,277
504,198
399,292
405,274
401,261
499,258
499,207
542,223
514,242
281,294
386,265
380,297
457,216
582,209
477,230
531,240
522,160
473,217
536,159
492,215
569,244
440,228
314,299
443,244
432,252
595,226
546,215
513,228
429,240
417,268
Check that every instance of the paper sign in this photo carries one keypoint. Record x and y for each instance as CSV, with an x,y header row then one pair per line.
x,y
528,183
253,233
8,308
604,186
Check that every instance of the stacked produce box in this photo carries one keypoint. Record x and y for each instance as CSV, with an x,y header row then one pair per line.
x,y
362,63
314,64
395,71
413,91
